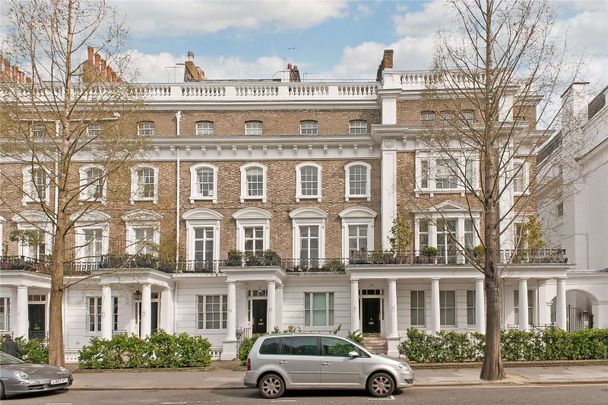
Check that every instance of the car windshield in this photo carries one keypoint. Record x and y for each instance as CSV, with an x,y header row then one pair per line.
x,y
7,359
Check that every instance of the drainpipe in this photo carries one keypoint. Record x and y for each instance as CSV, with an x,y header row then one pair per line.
x,y
178,118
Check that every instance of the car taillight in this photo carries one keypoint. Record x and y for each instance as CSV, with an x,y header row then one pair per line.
x,y
248,364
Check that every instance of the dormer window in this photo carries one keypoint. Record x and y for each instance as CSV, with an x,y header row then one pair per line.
x,y
204,128
145,128
253,128
357,127
309,127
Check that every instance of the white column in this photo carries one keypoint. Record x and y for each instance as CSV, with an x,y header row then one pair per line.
x,y
146,310
271,307
392,309
229,344
480,306
279,306
47,315
166,307
106,312
523,304
388,189
560,304
22,321
435,319
355,324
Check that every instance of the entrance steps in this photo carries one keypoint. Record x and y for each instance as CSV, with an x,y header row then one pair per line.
x,y
375,344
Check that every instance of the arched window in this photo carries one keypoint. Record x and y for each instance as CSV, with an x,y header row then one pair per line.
x,y
204,128
427,115
309,127
357,181
253,182
253,128
357,127
92,183
308,181
144,183
203,182
145,128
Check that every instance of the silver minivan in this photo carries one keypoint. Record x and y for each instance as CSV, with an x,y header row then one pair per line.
x,y
305,361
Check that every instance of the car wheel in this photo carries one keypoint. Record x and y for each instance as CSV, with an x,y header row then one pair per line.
x,y
2,396
271,386
380,385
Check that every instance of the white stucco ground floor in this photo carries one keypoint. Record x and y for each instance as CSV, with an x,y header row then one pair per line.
x,y
227,306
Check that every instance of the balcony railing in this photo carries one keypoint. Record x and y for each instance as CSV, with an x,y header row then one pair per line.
x,y
269,259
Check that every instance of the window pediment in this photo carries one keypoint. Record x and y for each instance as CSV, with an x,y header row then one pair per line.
x,y
142,216
30,216
91,216
357,212
308,212
251,213
202,214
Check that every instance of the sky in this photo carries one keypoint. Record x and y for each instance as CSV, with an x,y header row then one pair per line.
x,y
327,39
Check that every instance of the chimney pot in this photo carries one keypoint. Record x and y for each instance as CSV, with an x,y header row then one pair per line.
x,y
190,56
90,53
97,60
15,73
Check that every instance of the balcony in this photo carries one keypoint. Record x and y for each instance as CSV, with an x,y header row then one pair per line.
x,y
236,259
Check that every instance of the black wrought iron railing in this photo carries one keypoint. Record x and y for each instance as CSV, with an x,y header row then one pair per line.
x,y
248,259
22,263
317,265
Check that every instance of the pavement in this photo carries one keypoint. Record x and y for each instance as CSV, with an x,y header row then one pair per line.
x,y
228,376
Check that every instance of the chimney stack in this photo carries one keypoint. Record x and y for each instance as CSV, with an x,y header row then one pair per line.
x,y
574,105
386,63
90,53
192,73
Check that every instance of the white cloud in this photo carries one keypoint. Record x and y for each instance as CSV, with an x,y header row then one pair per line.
x,y
161,67
181,17
428,20
362,11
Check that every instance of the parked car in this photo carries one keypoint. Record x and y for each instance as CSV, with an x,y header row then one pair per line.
x,y
19,377
307,361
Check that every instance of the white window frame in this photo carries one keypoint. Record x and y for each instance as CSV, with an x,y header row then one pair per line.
x,y
30,194
328,309
472,308
459,215
143,128
307,216
202,218
134,185
223,314
417,308
141,219
91,220
201,131
347,193
252,217
525,173
443,309
25,249
299,195
35,129
194,194
355,127
244,195
85,191
357,216
6,316
431,161
309,127
428,116
94,129
254,130
97,309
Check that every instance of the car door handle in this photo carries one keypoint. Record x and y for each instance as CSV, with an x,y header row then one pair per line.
x,y
283,362
325,363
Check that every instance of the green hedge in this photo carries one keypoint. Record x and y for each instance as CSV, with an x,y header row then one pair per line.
x,y
449,346
161,350
245,347
33,351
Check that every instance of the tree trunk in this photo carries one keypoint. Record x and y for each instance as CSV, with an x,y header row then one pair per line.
x,y
56,352
492,368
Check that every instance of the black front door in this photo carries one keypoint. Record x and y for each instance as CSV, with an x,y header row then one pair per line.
x,y
258,315
370,310
154,318
36,315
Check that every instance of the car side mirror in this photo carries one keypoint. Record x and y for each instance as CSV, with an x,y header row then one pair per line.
x,y
353,354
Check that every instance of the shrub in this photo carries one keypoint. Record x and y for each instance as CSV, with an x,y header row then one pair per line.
x,y
33,351
449,346
161,350
246,346
355,336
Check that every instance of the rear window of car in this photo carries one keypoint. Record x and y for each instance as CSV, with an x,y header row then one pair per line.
x,y
270,346
300,346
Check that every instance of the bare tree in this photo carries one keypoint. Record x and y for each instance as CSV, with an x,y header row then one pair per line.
x,y
67,106
492,81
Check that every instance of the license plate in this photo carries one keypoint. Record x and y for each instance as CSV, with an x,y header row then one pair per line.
x,y
59,381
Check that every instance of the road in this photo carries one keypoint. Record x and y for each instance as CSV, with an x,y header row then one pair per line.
x,y
494,395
